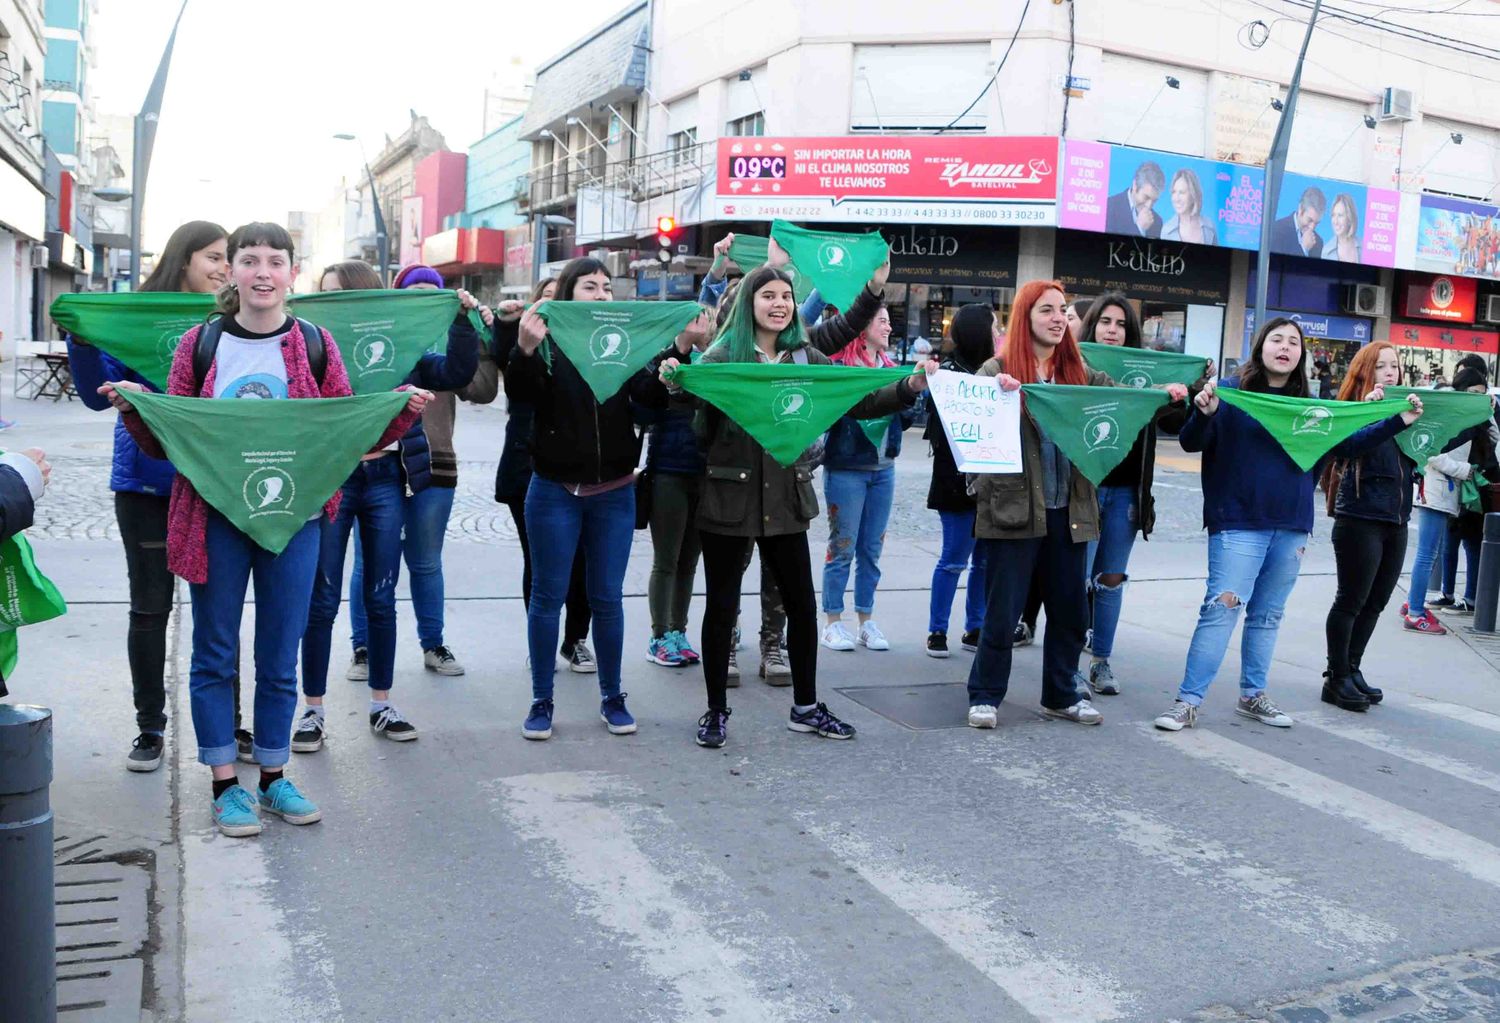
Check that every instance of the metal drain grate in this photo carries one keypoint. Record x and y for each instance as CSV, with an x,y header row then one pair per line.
x,y
102,928
931,705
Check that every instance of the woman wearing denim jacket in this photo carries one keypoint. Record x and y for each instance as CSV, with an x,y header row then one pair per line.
x,y
1258,509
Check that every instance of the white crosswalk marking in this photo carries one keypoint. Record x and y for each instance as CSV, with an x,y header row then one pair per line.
x,y
1348,726
1050,987
626,891
1412,831
1458,712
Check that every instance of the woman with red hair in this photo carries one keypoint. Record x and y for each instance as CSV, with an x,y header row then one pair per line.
x,y
1043,517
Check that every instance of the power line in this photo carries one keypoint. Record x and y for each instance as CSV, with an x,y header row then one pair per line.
x,y
1365,42
1358,20
990,84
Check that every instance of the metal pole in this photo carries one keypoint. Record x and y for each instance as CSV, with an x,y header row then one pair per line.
x,y
1275,167
382,240
538,246
28,956
1485,594
137,200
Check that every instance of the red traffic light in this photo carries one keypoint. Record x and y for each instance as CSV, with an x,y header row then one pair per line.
x,y
666,225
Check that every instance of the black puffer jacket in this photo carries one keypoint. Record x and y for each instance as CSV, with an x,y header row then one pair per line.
x,y
948,491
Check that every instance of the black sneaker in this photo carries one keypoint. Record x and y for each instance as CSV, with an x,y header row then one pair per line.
x,y
712,730
145,753
1440,602
392,725
937,644
1023,636
970,640
820,721
1455,607
244,745
309,734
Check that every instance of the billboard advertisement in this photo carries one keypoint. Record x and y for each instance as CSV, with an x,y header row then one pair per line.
x,y
884,178
1439,297
1458,237
1325,219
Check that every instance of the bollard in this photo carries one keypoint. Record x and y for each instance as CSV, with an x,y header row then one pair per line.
x,y
28,960
1485,593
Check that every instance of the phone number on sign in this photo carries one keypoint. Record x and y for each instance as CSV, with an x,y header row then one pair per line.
x,y
862,211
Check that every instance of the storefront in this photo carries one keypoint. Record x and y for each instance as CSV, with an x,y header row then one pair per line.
x,y
935,270
1317,293
1179,290
1437,323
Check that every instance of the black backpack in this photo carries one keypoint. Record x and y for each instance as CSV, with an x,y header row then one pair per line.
x,y
208,346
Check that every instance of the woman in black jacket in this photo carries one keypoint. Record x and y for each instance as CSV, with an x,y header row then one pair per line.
x,y
975,333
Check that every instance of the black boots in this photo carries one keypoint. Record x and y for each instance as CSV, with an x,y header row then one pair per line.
x,y
1344,693
1371,693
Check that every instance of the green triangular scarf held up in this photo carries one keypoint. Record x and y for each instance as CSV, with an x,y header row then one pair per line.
x,y
381,334
751,251
268,466
26,598
838,263
875,430
609,342
1309,428
784,406
1094,426
1445,414
1142,367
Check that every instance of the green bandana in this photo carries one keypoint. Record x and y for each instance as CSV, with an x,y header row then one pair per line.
x,y
784,406
609,342
380,334
26,597
839,263
750,251
876,430
1142,367
1445,414
1309,428
1094,426
268,466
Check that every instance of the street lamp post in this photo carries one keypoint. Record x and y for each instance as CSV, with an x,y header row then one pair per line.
x,y
382,239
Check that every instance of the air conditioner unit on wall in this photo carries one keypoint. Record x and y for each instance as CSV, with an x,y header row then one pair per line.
x,y
617,263
1397,105
1364,299
1491,309
39,257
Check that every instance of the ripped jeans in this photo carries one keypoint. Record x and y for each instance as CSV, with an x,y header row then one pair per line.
x,y
859,508
1119,521
1254,569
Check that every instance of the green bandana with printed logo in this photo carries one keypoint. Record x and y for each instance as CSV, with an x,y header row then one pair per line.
x,y
838,263
610,342
1142,367
751,251
1094,426
784,406
1445,414
1309,428
876,430
268,466
381,334
26,598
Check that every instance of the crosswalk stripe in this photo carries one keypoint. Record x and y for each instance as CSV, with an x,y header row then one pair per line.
x,y
1345,726
626,892
1412,831
1280,900
1456,711
1050,987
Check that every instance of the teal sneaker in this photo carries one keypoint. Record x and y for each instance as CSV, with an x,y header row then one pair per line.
x,y
684,648
234,813
283,799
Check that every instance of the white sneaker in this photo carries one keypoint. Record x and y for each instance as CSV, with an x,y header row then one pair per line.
x,y
1082,712
1182,715
872,638
1263,710
441,660
836,637
983,716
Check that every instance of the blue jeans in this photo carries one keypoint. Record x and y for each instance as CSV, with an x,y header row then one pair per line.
x,y
959,552
1432,531
283,588
1247,568
557,522
1119,521
426,521
372,495
859,507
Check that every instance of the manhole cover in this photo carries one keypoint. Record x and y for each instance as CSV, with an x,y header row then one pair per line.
x,y
931,705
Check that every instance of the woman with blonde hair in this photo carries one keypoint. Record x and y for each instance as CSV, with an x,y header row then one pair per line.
x,y
1344,245
1187,223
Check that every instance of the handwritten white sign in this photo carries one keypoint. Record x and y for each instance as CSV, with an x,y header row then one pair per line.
x,y
982,422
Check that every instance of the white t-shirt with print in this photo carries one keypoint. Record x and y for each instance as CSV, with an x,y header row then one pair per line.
x,y
250,365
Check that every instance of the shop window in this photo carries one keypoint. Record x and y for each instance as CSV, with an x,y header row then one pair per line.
x,y
681,144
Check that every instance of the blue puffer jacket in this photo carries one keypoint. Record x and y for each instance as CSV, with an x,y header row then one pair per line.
x,y
849,448
436,372
133,471
674,443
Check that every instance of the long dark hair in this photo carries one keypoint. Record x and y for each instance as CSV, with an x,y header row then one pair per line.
x,y
171,268
1253,372
247,236
973,334
1113,298
581,267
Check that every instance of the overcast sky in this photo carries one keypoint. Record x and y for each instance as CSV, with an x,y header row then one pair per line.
x,y
258,87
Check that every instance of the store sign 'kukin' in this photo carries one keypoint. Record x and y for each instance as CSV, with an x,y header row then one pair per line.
x,y
929,243
1150,259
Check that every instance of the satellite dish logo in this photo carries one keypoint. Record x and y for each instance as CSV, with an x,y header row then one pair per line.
x,y
1101,433
269,491
834,256
166,345
610,345
1422,440
1316,420
1137,378
792,404
374,353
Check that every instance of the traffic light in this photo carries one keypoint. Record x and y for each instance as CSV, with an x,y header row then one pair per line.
x,y
666,237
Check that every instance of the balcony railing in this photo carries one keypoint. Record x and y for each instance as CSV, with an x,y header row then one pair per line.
x,y
639,178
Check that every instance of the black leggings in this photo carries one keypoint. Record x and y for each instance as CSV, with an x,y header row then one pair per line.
x,y
576,622
787,559
142,519
1368,557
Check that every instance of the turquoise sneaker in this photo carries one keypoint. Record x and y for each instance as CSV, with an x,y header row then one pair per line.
x,y
283,799
234,813
684,648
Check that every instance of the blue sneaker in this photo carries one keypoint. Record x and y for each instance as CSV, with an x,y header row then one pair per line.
x,y
616,717
820,722
283,799
539,722
662,651
234,813
684,649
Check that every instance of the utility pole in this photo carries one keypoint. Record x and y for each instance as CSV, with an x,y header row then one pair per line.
x,y
143,141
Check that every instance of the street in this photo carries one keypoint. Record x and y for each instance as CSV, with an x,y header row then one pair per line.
x,y
1347,868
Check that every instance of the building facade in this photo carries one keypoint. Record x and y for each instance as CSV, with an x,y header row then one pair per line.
x,y
23,201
